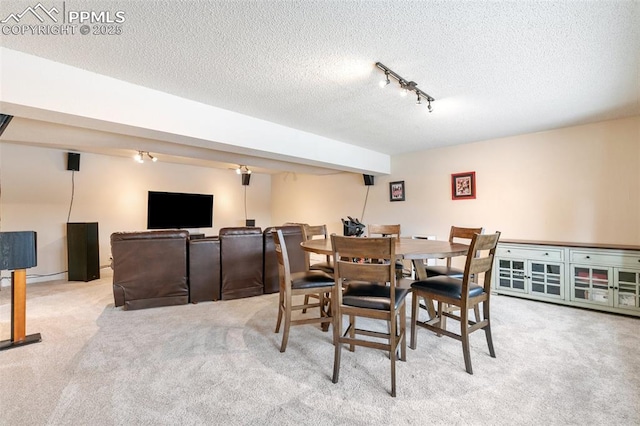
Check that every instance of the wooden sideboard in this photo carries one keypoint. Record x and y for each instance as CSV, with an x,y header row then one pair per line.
x,y
604,277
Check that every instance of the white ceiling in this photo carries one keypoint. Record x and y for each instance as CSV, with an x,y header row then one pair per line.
x,y
495,68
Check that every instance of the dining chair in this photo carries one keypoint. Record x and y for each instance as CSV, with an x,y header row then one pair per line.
x,y
369,292
387,231
460,292
456,234
297,284
311,232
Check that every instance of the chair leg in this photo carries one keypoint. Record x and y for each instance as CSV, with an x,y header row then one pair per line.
x,y
440,318
487,328
476,311
393,342
337,331
464,334
306,302
280,308
352,331
287,325
403,332
414,319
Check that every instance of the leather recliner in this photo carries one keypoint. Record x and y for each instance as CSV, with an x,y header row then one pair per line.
x,y
150,268
241,261
293,236
204,269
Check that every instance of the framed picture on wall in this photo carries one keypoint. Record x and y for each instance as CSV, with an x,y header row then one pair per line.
x,y
463,186
396,191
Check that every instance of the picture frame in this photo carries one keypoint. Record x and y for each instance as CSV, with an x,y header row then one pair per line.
x,y
396,191
463,186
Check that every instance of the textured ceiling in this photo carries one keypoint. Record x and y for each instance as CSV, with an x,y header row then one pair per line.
x,y
495,68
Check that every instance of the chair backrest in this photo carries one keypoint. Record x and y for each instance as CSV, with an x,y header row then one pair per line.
x,y
284,271
349,251
484,245
384,230
312,231
462,235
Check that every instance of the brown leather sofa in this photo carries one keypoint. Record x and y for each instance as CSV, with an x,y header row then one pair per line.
x,y
161,268
150,269
241,260
293,236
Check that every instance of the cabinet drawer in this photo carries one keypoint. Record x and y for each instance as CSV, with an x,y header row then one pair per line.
x,y
526,253
605,259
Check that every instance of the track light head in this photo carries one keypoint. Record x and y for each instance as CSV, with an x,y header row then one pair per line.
x,y
384,83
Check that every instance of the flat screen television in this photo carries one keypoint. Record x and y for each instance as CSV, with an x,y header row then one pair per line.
x,y
170,210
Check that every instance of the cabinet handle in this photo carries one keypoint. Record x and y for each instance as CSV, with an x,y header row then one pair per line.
x,y
509,251
546,254
588,257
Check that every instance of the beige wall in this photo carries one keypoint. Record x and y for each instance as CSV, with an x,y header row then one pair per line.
x,y
36,194
577,184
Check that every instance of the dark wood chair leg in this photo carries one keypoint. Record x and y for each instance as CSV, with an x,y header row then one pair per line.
x,y
464,334
287,326
280,308
487,329
352,331
393,341
403,332
414,319
337,331
306,302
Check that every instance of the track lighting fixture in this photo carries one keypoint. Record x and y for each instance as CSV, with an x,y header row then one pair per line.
x,y
243,170
405,86
139,157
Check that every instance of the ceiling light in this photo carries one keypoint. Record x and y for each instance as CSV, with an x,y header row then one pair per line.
x,y
386,81
243,170
139,157
405,86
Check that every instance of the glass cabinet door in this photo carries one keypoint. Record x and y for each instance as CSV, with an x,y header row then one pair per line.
x,y
511,275
546,279
627,286
591,284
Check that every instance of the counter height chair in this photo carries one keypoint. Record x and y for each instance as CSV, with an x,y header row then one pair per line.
x,y
387,231
369,291
314,231
297,284
462,293
456,235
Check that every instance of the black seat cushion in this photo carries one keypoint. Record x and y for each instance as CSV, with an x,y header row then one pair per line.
x,y
311,279
446,286
372,296
434,271
322,266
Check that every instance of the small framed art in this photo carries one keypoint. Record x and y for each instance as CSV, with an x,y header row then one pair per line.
x,y
463,186
396,191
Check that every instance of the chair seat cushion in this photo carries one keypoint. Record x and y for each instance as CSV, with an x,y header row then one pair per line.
x,y
434,271
311,279
322,266
445,286
372,296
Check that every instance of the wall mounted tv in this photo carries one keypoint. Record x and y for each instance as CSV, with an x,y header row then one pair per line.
x,y
170,210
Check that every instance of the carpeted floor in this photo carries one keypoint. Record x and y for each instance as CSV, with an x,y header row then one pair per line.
x,y
219,363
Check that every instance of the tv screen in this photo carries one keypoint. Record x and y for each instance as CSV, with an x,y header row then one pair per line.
x,y
166,210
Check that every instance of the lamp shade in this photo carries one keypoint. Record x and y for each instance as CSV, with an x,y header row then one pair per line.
x,y
18,250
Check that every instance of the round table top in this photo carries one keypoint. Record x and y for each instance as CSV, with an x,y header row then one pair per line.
x,y
406,248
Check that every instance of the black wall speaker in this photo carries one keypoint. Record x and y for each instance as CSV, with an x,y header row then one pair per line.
x,y
73,161
245,179
368,180
250,222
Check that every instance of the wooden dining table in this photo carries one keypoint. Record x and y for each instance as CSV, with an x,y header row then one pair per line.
x,y
406,248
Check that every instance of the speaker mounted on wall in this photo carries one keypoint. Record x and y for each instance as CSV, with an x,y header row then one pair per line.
x,y
368,179
246,178
73,161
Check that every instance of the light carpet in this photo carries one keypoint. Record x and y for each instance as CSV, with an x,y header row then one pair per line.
x,y
219,363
